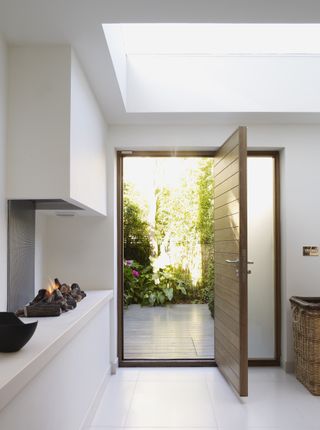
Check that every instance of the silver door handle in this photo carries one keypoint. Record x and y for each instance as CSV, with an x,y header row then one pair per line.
x,y
237,261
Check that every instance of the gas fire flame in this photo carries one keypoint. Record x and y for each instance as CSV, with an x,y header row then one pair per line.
x,y
51,287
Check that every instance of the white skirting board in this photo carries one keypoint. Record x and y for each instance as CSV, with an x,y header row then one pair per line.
x,y
56,381
114,366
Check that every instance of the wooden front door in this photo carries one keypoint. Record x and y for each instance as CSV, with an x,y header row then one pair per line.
x,y
230,231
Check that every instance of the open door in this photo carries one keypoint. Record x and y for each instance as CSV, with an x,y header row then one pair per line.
x,y
230,232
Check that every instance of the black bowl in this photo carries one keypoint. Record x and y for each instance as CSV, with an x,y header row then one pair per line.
x,y
14,334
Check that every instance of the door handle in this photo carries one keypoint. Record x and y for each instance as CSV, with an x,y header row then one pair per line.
x,y
237,262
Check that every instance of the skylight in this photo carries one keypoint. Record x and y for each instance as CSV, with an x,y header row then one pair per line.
x,y
216,67
221,39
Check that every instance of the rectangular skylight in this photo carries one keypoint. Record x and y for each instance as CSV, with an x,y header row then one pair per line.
x,y
221,39
216,67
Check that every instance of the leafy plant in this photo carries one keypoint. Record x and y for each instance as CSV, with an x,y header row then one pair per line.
x,y
205,224
143,286
211,301
131,276
136,234
161,287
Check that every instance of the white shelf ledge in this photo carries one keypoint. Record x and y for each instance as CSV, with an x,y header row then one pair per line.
x,y
51,335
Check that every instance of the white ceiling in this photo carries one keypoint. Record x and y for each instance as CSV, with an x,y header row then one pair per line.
x,y
79,23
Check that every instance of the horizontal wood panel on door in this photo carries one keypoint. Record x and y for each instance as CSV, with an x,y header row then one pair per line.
x,y
230,246
229,367
232,360
228,197
225,163
230,336
227,314
226,234
230,271
231,169
227,185
230,221
228,346
230,297
229,349
231,147
229,360
229,284
227,209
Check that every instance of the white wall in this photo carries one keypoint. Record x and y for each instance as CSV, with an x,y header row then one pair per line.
x,y
3,202
88,133
38,122
300,212
94,241
76,251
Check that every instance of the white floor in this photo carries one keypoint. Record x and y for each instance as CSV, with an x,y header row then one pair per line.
x,y
199,398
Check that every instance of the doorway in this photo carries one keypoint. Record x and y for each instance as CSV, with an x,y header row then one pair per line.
x,y
161,329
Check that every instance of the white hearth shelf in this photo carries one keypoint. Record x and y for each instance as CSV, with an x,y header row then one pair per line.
x,y
51,335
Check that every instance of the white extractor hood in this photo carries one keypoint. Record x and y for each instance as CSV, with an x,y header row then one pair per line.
x,y
56,132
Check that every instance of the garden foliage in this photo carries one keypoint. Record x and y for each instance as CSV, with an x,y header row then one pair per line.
x,y
168,285
182,228
136,230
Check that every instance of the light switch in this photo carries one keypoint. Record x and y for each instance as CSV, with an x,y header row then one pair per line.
x,y
311,251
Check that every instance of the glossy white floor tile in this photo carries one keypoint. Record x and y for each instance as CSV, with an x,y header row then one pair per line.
x,y
115,403
200,398
171,404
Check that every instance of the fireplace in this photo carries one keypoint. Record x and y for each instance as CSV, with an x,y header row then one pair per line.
x,y
53,300
21,258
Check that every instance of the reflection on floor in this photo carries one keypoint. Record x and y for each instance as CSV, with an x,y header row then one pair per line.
x,y
200,398
173,331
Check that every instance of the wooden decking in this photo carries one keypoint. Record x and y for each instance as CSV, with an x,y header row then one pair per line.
x,y
170,332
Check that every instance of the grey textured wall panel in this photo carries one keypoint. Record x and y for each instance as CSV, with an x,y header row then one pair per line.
x,y
21,252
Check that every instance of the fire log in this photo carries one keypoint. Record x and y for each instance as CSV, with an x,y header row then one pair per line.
x,y
46,310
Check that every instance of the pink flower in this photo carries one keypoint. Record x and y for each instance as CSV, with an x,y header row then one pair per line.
x,y
128,262
135,273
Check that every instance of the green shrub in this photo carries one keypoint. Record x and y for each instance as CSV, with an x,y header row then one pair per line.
x,y
132,290
211,301
167,285
143,286
136,237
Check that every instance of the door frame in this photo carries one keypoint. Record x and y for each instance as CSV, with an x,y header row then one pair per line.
x,y
277,314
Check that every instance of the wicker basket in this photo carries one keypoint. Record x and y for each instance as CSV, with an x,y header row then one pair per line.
x,y
306,340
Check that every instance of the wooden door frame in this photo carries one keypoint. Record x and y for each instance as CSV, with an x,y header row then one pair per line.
x,y
194,362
